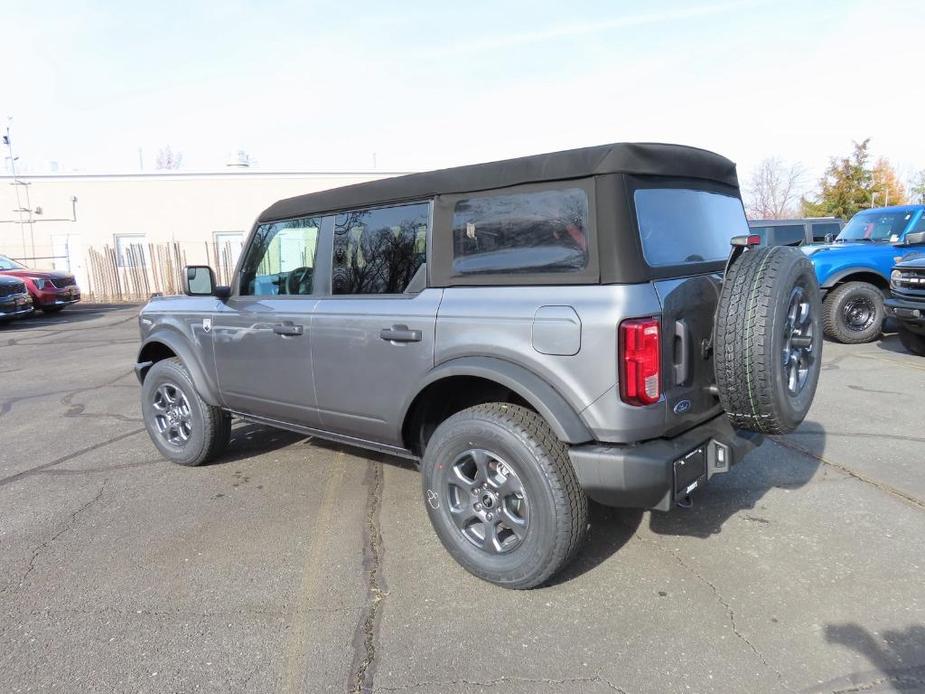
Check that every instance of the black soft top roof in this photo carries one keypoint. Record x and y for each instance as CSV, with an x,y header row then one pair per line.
x,y
628,157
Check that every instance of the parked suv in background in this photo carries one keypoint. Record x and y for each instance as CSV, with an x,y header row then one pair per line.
x,y
51,290
796,232
907,304
854,270
534,332
15,301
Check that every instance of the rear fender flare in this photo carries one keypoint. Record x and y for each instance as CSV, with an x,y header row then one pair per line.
x,y
558,413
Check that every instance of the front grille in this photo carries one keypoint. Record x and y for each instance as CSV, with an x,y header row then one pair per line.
x,y
14,288
62,282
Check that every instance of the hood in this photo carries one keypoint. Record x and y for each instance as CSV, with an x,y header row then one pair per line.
x,y
6,280
811,249
41,274
915,260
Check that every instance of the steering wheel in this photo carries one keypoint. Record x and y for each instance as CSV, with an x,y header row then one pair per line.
x,y
297,279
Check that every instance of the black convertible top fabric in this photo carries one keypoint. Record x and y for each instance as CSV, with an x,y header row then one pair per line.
x,y
629,157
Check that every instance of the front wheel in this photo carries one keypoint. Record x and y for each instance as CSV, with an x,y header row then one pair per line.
x,y
854,313
913,342
185,428
502,495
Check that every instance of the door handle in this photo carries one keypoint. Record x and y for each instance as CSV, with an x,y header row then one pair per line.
x,y
682,364
400,333
287,329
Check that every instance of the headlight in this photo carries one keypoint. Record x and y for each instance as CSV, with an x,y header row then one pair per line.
x,y
895,276
40,283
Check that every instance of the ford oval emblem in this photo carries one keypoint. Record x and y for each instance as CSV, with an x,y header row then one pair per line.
x,y
682,406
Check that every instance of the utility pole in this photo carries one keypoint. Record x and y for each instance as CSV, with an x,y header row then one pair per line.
x,y
25,187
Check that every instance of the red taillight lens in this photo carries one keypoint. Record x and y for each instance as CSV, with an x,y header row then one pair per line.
x,y
640,361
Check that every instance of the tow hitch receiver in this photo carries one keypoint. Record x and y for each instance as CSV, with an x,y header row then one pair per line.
x,y
690,472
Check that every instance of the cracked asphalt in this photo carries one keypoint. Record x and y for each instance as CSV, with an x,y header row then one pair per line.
x,y
295,565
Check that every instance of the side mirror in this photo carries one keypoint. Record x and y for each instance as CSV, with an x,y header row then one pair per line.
x,y
830,237
199,280
915,239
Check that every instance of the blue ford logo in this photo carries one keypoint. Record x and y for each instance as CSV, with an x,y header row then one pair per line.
x,y
682,406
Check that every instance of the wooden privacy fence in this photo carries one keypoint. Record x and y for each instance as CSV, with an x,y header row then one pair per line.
x,y
134,272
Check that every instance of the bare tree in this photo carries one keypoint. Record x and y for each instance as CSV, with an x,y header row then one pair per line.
x,y
168,159
774,189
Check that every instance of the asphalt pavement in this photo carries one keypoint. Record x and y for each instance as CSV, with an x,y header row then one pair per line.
x,y
299,566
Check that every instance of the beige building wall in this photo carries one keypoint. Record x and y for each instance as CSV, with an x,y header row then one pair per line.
x,y
189,208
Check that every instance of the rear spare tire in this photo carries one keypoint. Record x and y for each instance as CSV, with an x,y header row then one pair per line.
x,y
768,340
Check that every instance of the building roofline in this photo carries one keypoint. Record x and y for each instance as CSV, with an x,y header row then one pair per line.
x,y
165,175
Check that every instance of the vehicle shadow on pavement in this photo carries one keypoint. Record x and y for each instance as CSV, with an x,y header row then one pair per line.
x,y
786,462
611,528
891,343
249,440
898,656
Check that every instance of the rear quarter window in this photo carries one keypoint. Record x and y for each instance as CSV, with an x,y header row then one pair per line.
x,y
531,232
679,226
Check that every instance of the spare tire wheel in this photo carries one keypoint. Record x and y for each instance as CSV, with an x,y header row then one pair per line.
x,y
768,339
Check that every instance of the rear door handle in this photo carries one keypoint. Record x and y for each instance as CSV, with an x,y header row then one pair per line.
x,y
287,329
400,333
682,362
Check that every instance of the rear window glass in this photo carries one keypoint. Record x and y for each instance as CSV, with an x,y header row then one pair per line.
x,y
781,234
679,225
820,231
542,231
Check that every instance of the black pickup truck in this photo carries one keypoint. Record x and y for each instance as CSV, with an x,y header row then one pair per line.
x,y
907,303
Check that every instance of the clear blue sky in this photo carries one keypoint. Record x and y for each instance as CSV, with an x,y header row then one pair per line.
x,y
308,85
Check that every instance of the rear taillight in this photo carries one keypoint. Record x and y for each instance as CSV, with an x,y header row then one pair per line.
x,y
640,361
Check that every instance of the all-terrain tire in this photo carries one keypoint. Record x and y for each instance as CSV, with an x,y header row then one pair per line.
x,y
526,455
768,330
913,342
838,310
209,427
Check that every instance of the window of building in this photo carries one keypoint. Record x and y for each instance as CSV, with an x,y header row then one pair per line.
x,y
281,259
131,250
378,251
542,231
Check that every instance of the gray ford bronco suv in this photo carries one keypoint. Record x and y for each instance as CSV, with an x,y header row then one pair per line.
x,y
588,324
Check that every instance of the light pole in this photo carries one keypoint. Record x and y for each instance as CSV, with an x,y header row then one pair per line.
x,y
17,183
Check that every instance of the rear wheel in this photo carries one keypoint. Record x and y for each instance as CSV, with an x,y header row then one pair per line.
x,y
913,342
185,428
854,313
502,495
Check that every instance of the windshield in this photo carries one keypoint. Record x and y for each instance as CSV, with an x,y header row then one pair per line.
x,y
875,226
679,226
9,264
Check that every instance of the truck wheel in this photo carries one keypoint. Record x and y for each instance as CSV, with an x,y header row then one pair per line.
x,y
768,340
854,313
502,495
913,342
186,429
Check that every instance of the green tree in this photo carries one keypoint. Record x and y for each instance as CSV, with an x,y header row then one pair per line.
x,y
917,187
845,187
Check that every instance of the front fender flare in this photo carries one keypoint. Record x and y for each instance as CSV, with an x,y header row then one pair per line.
x,y
179,345
558,413
837,277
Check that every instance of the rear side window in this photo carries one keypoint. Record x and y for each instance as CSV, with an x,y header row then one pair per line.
x,y
820,231
378,251
541,231
781,234
679,225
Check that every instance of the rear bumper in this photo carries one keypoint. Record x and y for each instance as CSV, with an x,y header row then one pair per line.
x,y
653,474
909,312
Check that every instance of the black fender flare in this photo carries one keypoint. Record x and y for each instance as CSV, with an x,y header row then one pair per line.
x,y
546,400
837,277
179,345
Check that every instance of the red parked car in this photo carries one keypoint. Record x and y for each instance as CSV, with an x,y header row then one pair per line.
x,y
51,290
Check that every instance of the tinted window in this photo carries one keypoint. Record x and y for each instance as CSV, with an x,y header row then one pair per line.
x,y
378,251
780,234
820,230
680,226
919,225
543,231
281,259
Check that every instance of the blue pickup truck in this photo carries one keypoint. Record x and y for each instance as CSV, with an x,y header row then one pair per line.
x,y
854,269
